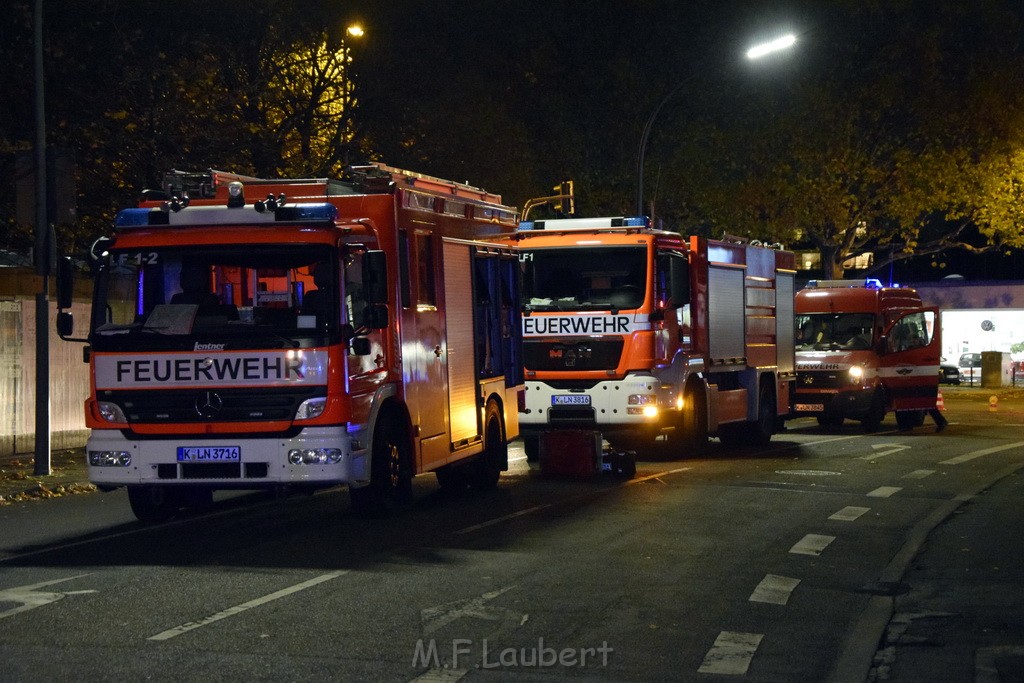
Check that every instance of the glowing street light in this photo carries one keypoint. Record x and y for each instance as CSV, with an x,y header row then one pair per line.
x,y
753,53
355,31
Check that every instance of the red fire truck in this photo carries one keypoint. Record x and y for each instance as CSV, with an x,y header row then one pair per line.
x,y
259,334
631,333
863,350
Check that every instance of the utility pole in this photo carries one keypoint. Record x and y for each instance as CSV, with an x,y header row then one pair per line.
x,y
42,254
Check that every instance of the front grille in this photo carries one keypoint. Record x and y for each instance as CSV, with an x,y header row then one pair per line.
x,y
571,415
822,379
582,355
220,405
213,470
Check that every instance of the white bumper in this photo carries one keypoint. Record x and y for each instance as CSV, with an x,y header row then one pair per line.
x,y
263,462
609,401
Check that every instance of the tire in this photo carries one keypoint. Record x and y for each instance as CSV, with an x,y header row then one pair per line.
x,y
390,484
690,438
483,474
876,413
153,503
531,446
762,429
830,421
908,419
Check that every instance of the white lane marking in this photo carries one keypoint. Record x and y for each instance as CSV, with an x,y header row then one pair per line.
x,y
640,480
893,448
238,609
848,514
434,618
441,676
918,474
774,589
884,491
498,520
977,454
837,438
520,458
30,598
811,544
731,653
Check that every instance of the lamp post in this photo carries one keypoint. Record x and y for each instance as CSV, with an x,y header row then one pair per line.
x,y
753,53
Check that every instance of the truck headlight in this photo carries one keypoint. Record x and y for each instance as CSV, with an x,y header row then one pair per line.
x,y
111,412
856,373
110,458
314,456
311,408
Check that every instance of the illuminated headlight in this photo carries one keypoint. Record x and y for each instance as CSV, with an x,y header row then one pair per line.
x,y
314,456
110,458
641,399
111,412
311,408
856,373
642,404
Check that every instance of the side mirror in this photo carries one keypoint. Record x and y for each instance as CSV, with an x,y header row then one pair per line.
x,y
375,277
679,281
65,324
65,282
360,346
375,316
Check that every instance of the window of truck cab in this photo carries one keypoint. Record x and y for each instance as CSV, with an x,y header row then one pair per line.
x,y
227,290
584,278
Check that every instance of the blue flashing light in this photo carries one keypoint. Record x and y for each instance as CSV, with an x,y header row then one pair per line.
x,y
307,212
635,222
132,218
526,225
873,283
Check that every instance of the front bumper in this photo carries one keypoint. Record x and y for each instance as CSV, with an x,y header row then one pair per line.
x,y
604,406
853,403
263,462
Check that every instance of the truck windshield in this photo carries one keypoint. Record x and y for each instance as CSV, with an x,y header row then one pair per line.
x,y
244,290
584,278
821,331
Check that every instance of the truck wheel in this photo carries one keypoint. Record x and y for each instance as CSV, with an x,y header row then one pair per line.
x,y
762,429
690,437
153,503
485,472
876,413
531,446
908,419
390,472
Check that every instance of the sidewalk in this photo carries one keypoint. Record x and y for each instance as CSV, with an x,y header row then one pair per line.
x,y
18,484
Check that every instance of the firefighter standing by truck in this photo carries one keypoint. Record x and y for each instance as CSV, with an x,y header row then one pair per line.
x,y
280,334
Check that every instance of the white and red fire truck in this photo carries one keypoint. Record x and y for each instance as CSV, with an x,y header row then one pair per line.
x,y
254,334
863,350
631,333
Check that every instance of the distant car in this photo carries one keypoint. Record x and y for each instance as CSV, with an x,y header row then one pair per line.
x,y
970,368
948,373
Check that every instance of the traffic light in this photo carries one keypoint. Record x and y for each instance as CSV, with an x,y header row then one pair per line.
x,y
565,204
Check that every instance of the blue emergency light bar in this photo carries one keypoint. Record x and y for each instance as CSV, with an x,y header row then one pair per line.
x,y
221,215
585,223
867,283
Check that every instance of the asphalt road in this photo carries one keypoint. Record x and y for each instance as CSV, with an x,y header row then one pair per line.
x,y
767,564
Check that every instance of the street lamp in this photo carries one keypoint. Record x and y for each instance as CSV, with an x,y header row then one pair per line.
x,y
753,53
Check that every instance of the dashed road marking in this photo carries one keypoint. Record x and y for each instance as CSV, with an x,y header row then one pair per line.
x,y
731,653
238,609
884,491
918,474
774,589
505,518
977,454
811,544
848,514
892,448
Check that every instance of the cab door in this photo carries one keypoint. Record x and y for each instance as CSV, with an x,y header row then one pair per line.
x,y
910,357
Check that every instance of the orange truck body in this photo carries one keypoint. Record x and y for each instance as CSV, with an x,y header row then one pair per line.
x,y
266,390
637,333
864,350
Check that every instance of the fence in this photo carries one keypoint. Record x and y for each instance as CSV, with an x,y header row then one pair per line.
x,y
69,376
